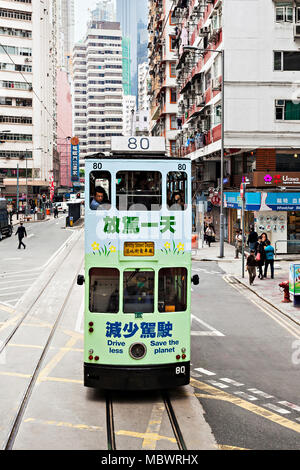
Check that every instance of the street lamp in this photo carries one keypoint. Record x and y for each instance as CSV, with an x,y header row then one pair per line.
x,y
218,51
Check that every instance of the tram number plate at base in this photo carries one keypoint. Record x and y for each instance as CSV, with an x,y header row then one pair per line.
x,y
180,370
139,249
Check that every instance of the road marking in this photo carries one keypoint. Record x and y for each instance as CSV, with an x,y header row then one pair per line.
x,y
15,374
56,359
232,382
218,384
31,235
225,447
205,333
203,323
15,287
154,425
276,408
245,395
6,308
251,407
12,259
204,371
82,427
290,405
143,435
295,331
25,280
63,380
260,393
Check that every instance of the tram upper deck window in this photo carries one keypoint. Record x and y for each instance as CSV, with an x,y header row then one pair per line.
x,y
177,190
104,290
100,190
172,291
138,291
139,190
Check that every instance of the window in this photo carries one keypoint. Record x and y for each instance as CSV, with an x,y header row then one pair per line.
x,y
298,15
104,290
173,147
173,122
287,61
172,290
173,95
172,43
173,69
139,190
138,295
100,190
286,110
177,190
217,114
207,79
284,13
287,162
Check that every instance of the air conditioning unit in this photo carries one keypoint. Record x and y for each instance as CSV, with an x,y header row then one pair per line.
x,y
200,101
216,84
279,102
28,59
297,31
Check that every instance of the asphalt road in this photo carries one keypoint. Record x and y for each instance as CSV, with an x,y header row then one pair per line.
x,y
20,268
245,365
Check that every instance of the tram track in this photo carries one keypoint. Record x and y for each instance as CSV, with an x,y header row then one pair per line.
x,y
6,341
21,407
168,407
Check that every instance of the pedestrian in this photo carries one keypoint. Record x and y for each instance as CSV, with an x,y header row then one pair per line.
x,y
252,238
21,232
55,212
209,234
260,255
269,251
238,243
251,267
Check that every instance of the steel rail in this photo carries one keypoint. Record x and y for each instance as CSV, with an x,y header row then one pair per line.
x,y
174,423
111,442
27,394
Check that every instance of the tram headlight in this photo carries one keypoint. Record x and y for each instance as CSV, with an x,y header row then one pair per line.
x,y
137,350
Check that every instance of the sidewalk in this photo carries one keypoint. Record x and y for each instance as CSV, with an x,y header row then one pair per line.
x,y
266,289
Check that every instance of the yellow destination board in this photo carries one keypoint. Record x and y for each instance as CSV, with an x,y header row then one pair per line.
x,y
139,249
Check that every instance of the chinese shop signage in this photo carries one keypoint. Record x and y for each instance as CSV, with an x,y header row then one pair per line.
x,y
274,178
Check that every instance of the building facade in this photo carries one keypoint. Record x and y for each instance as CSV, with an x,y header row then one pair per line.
x,y
129,114
98,92
162,70
261,109
27,100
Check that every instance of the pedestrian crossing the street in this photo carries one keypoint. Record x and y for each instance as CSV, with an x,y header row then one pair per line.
x,y
14,285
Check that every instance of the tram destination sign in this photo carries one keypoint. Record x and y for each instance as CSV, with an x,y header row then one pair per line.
x,y
133,144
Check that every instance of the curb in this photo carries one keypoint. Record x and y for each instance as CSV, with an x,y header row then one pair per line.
x,y
266,300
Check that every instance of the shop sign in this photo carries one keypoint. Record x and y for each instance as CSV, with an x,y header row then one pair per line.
x,y
263,201
274,178
74,159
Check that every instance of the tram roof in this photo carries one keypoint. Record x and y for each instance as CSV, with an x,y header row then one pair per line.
x,y
131,156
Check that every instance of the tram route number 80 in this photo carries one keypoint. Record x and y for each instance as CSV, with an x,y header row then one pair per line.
x,y
138,144
180,370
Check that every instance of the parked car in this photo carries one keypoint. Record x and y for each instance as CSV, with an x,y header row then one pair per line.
x,y
61,206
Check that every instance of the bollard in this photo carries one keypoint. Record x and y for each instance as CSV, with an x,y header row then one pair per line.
x,y
286,291
71,221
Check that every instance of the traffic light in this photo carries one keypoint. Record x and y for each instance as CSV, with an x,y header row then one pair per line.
x,y
78,195
44,197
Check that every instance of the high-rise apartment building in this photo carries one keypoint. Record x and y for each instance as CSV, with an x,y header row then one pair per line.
x,y
143,123
67,27
129,114
261,110
27,98
98,92
162,70
105,11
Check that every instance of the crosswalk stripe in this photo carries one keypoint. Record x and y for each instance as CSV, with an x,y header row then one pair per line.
x,y
232,382
259,392
290,405
204,371
276,408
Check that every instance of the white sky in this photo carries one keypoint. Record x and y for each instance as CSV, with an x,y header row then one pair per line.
x,y
82,16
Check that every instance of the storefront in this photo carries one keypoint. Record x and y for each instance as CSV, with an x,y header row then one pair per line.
x,y
277,214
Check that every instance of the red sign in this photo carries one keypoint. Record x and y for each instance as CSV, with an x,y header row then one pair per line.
x,y
242,190
215,200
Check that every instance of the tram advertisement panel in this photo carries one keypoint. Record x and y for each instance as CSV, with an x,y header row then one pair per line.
x,y
137,261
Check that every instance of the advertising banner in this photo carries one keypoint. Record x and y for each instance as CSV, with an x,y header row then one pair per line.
x,y
294,281
263,201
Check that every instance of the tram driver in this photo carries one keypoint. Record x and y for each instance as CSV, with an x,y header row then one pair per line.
x,y
100,199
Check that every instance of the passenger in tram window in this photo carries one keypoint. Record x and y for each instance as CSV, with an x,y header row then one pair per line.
x,y
177,202
100,200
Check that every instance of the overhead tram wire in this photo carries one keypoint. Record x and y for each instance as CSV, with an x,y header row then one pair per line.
x,y
30,84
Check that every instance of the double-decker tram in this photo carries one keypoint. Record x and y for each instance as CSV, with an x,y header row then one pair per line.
x,y
137,267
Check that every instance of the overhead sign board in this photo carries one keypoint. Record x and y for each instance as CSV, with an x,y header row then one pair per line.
x,y
135,144
74,159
